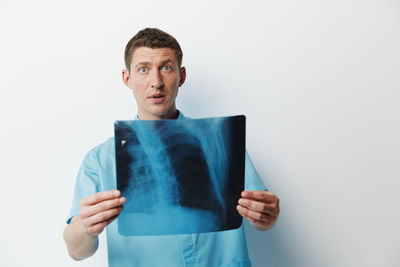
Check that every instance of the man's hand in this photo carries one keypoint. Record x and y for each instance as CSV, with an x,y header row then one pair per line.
x,y
261,208
100,209
96,212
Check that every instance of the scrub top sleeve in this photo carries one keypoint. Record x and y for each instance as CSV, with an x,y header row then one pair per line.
x,y
87,182
252,179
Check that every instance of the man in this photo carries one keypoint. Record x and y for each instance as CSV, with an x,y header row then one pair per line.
x,y
154,73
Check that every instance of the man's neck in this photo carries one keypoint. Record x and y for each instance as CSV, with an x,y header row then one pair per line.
x,y
169,116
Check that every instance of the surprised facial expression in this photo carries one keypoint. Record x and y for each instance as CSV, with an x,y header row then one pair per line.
x,y
154,78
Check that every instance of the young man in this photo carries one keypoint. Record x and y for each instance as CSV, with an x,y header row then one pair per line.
x,y
154,73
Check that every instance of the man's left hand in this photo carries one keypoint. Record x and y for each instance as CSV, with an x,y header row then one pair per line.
x,y
261,208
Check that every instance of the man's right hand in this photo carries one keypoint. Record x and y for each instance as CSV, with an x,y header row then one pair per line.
x,y
100,209
96,212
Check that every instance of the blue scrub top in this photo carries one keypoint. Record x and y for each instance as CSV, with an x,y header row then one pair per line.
x,y
223,249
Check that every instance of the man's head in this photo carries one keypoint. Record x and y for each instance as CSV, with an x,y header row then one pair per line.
x,y
153,71
152,38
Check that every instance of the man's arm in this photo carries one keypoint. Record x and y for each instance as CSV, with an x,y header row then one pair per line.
x,y
80,244
96,212
261,208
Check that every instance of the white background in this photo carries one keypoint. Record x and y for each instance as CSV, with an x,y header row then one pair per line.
x,y
318,81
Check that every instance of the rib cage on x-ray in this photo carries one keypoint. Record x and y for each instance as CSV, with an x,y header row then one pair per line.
x,y
165,157
174,165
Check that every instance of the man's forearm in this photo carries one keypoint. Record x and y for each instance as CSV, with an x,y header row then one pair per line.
x,y
80,244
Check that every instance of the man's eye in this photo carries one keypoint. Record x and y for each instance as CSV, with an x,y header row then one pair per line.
x,y
167,68
143,69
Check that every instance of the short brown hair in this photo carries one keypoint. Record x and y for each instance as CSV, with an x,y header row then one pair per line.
x,y
152,38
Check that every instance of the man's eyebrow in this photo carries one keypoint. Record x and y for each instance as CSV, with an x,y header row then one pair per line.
x,y
167,61
144,63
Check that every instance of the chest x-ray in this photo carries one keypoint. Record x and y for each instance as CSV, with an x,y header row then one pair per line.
x,y
180,176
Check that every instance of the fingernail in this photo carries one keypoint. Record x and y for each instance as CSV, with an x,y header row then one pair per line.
x,y
245,194
122,199
116,193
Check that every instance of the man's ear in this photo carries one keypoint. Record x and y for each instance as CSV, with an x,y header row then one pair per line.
x,y
126,77
183,76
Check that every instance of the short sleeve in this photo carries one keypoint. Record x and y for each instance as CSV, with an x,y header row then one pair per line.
x,y
252,179
87,182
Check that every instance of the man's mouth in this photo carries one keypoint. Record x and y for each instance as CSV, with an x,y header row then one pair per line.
x,y
157,98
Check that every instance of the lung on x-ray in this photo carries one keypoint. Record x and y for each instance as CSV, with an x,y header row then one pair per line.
x,y
180,176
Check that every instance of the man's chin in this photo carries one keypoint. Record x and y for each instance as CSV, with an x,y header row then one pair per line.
x,y
159,112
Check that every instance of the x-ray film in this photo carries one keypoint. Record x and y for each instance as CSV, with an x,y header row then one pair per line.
x,y
180,176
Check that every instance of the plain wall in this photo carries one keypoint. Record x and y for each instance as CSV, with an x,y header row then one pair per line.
x,y
318,81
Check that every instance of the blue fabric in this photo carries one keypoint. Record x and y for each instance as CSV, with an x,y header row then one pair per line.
x,y
219,249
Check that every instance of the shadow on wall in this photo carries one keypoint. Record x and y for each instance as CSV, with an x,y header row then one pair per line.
x,y
269,249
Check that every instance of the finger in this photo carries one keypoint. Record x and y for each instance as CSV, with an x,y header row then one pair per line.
x,y
98,228
269,208
102,217
245,212
99,197
263,196
88,211
258,222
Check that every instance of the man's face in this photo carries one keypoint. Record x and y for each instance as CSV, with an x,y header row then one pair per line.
x,y
154,78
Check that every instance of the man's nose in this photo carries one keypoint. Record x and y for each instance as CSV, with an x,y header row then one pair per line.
x,y
157,81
